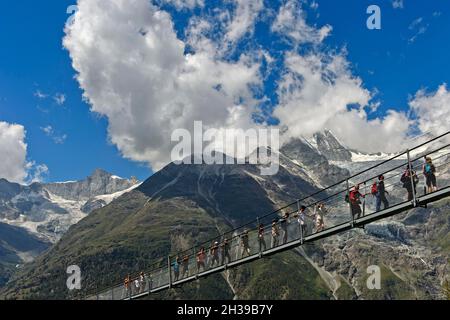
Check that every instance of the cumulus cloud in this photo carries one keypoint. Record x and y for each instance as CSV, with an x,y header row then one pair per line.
x,y
135,71
36,172
13,152
144,83
432,109
316,93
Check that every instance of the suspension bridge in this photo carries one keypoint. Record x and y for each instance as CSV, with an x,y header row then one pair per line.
x,y
182,267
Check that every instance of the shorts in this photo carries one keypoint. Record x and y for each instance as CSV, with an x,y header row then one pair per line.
x,y
431,180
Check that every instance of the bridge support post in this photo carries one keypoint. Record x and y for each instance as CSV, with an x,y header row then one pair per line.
x,y
299,224
364,199
350,203
170,272
413,186
195,260
259,240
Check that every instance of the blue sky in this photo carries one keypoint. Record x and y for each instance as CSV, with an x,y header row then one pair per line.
x,y
410,52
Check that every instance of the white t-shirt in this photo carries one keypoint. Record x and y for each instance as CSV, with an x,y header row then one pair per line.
x,y
301,218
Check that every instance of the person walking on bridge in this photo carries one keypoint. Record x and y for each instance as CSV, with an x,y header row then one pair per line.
x,y
381,194
284,221
201,255
410,180
245,243
275,234
225,251
318,215
261,240
185,263
176,268
141,282
355,202
429,171
127,287
301,219
214,251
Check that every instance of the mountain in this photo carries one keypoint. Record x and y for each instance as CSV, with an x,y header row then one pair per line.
x,y
172,210
48,210
17,246
183,205
99,183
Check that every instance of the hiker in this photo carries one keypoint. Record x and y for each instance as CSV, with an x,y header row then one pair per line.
x,y
275,234
214,251
301,215
137,285
185,263
225,250
318,215
284,225
261,240
244,243
142,282
410,186
381,194
201,259
429,171
127,286
355,201
176,268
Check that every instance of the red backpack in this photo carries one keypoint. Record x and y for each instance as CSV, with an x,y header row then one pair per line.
x,y
374,189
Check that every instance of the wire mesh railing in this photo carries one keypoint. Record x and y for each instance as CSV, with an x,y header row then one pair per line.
x,y
403,178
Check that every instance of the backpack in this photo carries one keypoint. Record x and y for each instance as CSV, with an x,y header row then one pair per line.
x,y
346,198
353,196
374,189
428,168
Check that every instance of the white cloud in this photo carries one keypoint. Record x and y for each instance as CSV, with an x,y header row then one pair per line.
x,y
432,109
145,85
315,94
59,98
415,23
291,22
184,4
314,5
36,172
418,27
135,73
243,19
50,132
397,4
40,95
13,152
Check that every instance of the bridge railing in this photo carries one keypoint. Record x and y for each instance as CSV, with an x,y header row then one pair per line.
x,y
284,225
